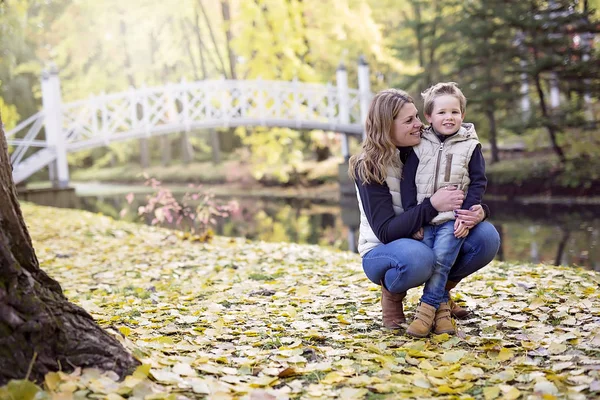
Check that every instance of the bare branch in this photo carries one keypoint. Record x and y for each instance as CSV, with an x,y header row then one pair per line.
x,y
188,49
212,36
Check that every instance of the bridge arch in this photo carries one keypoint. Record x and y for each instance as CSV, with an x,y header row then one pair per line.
x,y
181,107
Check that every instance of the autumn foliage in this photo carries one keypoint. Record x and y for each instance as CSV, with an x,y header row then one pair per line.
x,y
233,318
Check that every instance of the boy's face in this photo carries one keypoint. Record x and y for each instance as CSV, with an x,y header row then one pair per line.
x,y
446,116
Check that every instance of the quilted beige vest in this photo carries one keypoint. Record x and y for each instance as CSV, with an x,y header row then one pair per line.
x,y
366,237
444,164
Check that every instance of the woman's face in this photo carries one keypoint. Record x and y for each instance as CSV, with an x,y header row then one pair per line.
x,y
406,128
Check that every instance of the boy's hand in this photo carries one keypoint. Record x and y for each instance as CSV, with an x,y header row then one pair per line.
x,y
460,229
418,235
456,223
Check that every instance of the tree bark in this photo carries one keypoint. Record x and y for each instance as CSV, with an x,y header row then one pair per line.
x,y
39,328
165,150
188,49
548,119
228,37
493,135
420,47
550,126
564,239
202,47
432,71
212,36
187,150
490,106
144,151
215,144
214,136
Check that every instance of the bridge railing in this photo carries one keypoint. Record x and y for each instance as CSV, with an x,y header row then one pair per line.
x,y
213,103
24,136
147,111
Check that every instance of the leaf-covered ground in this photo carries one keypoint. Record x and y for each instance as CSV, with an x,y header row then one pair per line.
x,y
254,320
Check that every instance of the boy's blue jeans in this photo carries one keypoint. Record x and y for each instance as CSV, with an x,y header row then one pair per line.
x,y
445,247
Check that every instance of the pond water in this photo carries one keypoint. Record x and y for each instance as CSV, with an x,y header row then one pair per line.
x,y
551,234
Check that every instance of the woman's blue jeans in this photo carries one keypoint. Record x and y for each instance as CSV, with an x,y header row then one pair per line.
x,y
408,263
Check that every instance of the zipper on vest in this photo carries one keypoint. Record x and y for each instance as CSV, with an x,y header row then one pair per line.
x,y
437,168
448,172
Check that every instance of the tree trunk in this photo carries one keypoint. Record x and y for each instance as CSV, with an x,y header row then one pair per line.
x,y
165,150
144,153
215,144
228,37
188,49
213,37
490,106
201,46
549,121
40,331
550,127
187,150
493,135
560,251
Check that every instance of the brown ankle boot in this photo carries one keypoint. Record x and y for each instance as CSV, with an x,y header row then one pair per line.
x,y
391,306
423,322
457,311
443,321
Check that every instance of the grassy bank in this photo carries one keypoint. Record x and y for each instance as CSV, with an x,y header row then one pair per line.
x,y
530,175
230,171
238,319
537,175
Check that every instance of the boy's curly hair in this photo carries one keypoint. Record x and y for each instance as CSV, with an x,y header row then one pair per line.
x,y
441,89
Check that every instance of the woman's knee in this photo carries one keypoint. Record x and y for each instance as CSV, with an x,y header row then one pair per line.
x,y
413,270
488,240
479,248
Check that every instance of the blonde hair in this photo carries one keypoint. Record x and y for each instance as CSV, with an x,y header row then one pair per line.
x,y
378,151
441,89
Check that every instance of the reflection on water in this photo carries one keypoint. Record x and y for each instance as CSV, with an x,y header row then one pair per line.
x,y
297,221
530,233
551,234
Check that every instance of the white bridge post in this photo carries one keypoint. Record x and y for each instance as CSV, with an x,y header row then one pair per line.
x,y
55,138
554,91
341,78
587,40
525,105
364,89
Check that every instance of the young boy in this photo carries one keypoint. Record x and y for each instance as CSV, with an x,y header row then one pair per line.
x,y
449,155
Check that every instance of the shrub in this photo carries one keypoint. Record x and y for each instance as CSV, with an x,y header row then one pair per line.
x,y
195,214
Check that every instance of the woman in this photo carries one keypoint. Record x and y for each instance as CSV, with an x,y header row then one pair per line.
x,y
390,257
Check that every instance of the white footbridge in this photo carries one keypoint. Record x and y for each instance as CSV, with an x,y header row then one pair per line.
x,y
45,138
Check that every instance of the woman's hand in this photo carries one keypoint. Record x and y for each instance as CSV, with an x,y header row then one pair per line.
x,y
470,217
447,199
418,235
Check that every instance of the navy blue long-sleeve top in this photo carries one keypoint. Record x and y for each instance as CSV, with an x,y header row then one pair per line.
x,y
378,207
